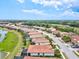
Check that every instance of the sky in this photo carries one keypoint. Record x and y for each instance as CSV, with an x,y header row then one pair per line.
x,y
39,9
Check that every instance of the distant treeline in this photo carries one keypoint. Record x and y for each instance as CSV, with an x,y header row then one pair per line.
x,y
73,23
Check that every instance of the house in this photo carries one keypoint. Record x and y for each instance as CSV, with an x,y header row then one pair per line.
x,y
34,33
64,34
39,28
26,29
40,41
54,31
75,40
28,57
30,30
40,50
72,34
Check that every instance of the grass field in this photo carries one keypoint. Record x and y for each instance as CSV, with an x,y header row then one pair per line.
x,y
9,42
17,46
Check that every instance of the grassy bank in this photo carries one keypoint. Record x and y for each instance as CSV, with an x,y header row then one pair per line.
x,y
17,47
12,43
9,42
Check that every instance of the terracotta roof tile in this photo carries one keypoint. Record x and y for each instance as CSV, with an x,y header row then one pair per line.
x,y
40,39
28,57
76,37
34,33
40,49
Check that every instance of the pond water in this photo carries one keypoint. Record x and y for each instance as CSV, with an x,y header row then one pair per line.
x,y
2,35
2,55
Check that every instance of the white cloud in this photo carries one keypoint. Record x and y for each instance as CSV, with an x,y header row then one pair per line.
x,y
69,13
68,1
34,11
21,1
55,3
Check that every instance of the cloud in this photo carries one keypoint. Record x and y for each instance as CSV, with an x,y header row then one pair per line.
x,y
34,11
69,13
21,1
56,3
64,8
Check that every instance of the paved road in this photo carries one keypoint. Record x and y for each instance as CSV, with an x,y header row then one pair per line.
x,y
69,53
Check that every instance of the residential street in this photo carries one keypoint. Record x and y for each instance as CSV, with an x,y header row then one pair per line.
x,y
69,53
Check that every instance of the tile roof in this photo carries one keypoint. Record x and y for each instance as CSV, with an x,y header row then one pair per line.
x,y
28,57
29,30
40,49
76,37
53,29
34,33
40,39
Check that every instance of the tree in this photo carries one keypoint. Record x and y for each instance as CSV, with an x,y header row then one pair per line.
x,y
58,34
66,38
48,26
57,53
47,36
24,42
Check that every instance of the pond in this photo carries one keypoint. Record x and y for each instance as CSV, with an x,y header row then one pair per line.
x,y
2,35
2,55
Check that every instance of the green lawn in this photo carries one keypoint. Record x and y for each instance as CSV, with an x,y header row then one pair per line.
x,y
17,47
9,42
